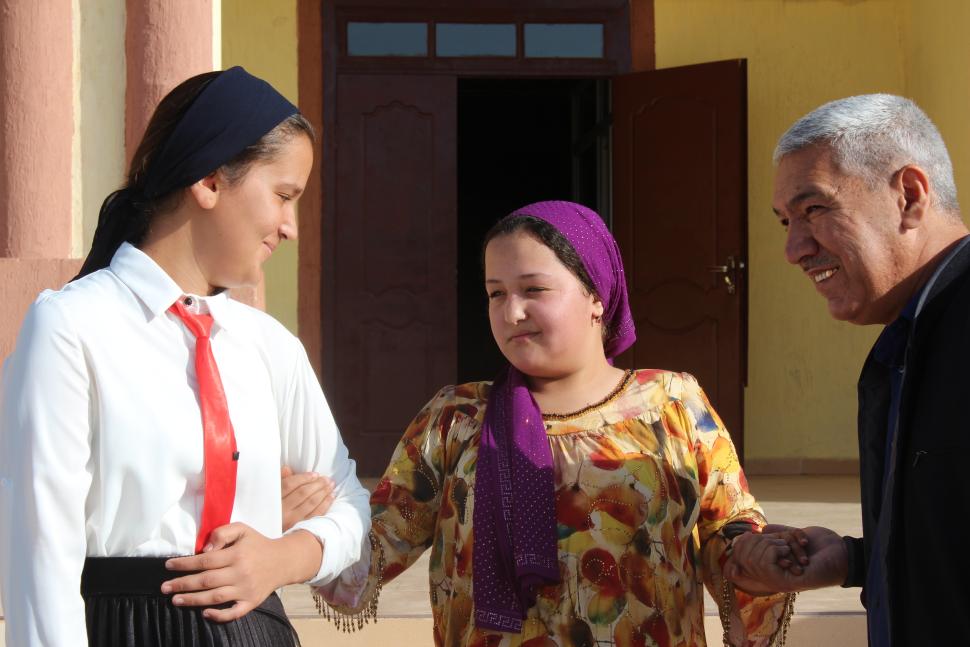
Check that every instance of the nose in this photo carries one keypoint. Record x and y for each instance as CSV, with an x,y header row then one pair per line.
x,y
514,311
288,228
799,243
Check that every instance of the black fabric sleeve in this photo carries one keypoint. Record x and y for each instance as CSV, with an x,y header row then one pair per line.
x,y
856,571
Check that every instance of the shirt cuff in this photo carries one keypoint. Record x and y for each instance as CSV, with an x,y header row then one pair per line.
x,y
328,534
856,564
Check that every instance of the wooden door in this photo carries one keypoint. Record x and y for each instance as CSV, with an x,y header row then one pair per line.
x,y
680,217
393,308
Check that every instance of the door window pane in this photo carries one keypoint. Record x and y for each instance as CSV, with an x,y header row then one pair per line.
x,y
564,41
463,39
387,39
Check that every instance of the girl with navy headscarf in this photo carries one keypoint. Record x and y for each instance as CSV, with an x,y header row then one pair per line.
x,y
146,416
568,502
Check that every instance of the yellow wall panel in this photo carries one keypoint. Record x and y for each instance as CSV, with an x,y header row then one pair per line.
x,y
803,366
99,135
936,50
261,36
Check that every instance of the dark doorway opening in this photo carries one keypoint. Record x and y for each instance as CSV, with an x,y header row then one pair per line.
x,y
520,141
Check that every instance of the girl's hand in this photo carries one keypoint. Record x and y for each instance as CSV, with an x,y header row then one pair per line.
x,y
305,495
242,566
796,540
755,564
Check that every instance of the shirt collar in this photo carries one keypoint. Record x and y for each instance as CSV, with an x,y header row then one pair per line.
x,y
912,306
220,309
889,349
924,293
156,289
145,278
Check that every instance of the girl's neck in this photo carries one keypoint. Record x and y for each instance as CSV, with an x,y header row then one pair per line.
x,y
169,244
577,390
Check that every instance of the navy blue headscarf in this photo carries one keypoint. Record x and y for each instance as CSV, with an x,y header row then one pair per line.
x,y
232,112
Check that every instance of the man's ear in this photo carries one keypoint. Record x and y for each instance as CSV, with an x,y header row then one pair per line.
x,y
206,191
913,186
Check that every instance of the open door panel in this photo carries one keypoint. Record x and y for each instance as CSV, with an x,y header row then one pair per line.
x,y
680,217
393,313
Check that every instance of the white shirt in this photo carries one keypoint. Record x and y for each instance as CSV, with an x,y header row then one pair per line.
x,y
101,445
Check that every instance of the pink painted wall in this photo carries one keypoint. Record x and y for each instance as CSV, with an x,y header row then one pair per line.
x,y
165,43
36,127
21,280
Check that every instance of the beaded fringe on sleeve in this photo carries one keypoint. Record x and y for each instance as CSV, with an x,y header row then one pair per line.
x,y
351,600
746,620
728,610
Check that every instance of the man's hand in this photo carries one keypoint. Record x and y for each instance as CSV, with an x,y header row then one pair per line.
x,y
243,567
797,542
305,495
756,565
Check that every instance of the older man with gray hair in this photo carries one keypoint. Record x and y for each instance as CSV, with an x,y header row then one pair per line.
x,y
864,189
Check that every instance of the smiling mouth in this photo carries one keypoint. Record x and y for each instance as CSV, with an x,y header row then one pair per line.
x,y
824,276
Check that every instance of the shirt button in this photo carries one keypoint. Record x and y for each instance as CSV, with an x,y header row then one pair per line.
x,y
4,482
188,301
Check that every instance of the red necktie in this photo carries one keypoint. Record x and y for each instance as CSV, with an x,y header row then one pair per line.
x,y
220,440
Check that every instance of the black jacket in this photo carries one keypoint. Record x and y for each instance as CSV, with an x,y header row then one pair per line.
x,y
928,493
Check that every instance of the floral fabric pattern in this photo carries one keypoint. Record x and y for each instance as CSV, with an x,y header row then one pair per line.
x,y
644,486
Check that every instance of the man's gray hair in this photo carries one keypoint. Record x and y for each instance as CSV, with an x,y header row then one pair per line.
x,y
873,135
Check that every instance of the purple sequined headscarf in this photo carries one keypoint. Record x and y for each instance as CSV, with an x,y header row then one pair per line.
x,y
514,521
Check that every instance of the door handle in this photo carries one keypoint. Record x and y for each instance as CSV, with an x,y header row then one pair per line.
x,y
729,271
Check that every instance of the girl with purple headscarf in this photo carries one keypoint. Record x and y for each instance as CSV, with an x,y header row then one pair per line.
x,y
569,502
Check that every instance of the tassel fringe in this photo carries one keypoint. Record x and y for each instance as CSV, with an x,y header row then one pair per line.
x,y
727,604
353,622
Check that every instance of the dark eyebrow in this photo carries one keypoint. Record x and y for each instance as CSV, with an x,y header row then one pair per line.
x,y
293,189
530,275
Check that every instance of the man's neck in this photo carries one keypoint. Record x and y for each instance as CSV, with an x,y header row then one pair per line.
x,y
934,252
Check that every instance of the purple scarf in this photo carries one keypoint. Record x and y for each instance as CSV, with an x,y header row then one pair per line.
x,y
514,522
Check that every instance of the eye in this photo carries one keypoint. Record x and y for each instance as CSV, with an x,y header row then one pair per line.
x,y
284,197
535,288
783,222
494,294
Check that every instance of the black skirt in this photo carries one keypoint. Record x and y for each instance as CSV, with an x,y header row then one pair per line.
x,y
125,608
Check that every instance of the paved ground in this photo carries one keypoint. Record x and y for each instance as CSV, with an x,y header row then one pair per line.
x,y
829,617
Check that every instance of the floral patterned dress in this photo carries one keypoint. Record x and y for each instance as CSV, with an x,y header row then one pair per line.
x,y
645,483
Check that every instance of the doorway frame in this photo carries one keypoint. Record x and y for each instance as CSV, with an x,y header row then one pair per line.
x,y
628,47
